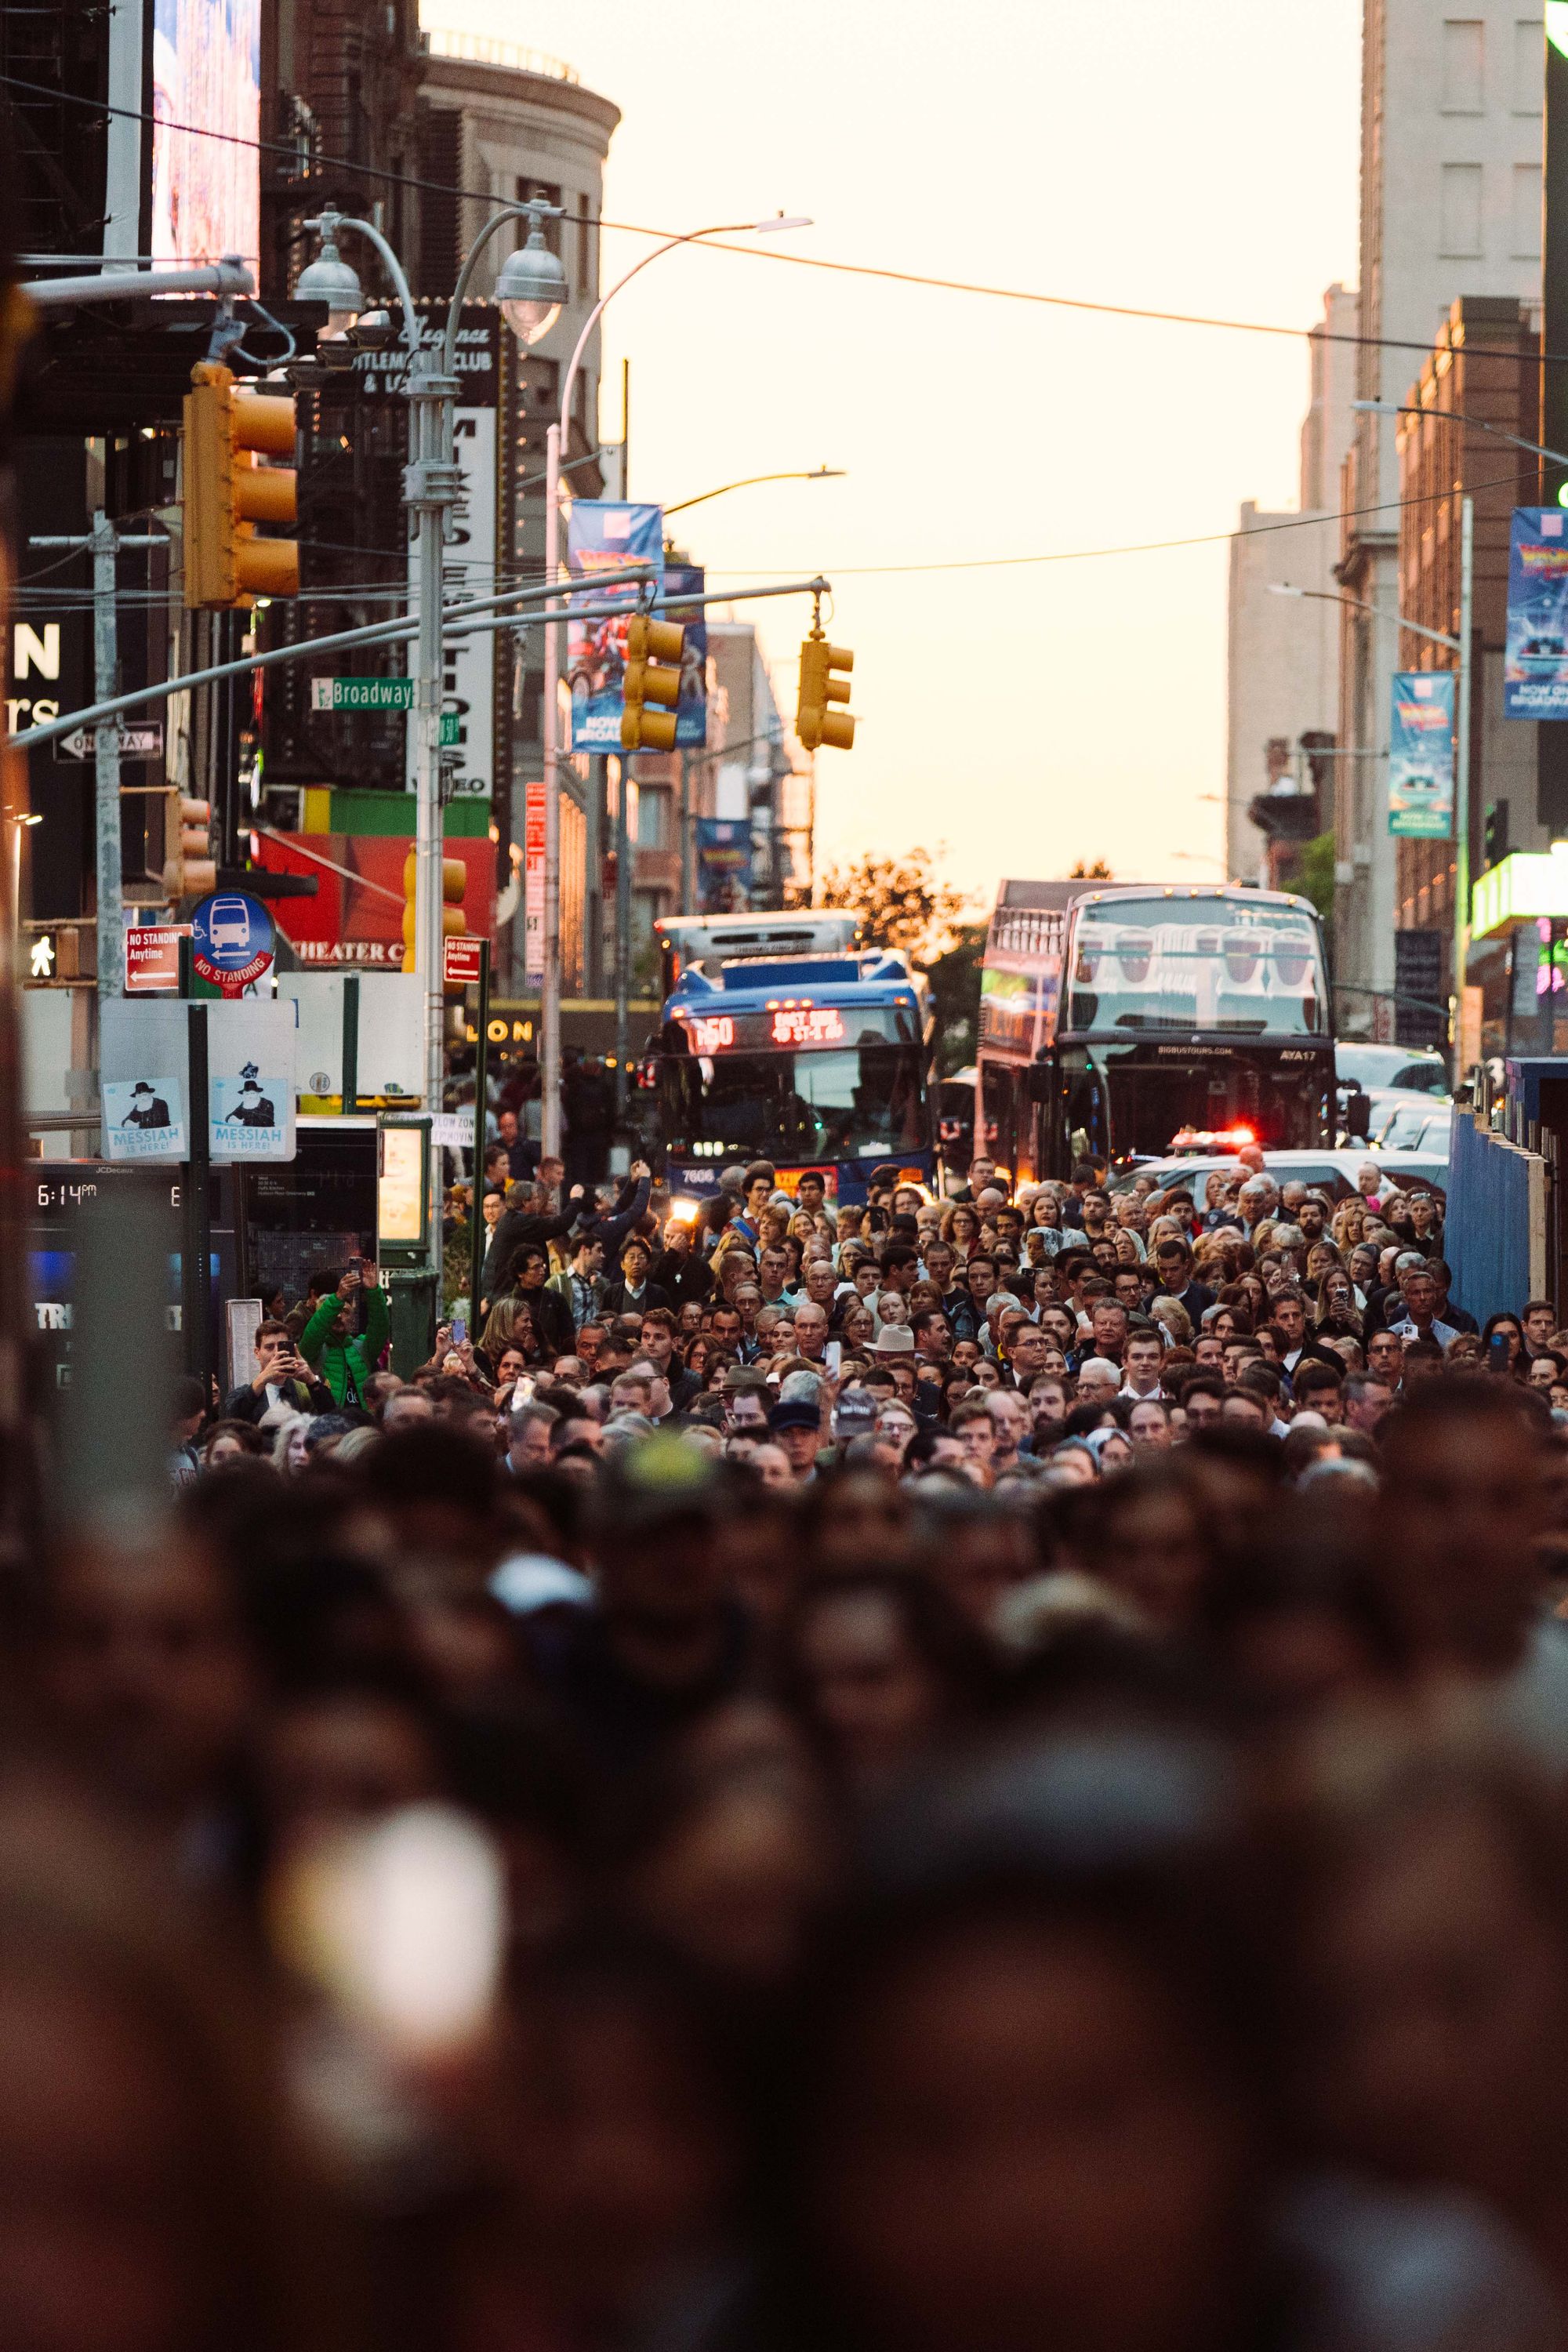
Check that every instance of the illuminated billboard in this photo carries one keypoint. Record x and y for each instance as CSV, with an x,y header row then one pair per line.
x,y
206,107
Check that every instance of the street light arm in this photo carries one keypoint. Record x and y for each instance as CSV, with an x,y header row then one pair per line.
x,y
1360,605
1457,416
228,276
816,474
394,271
688,237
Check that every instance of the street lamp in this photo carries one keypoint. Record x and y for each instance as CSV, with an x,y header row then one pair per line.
x,y
550,959
530,289
1459,646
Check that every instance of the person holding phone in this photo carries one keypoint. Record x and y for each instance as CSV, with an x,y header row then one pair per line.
x,y
282,1377
329,1346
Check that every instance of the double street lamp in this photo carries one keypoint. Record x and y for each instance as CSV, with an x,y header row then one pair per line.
x,y
530,289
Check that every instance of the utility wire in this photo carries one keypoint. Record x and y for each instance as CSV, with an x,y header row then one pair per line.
x,y
1140,546
325,163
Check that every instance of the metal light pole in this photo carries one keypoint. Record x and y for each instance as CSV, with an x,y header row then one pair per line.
x,y
550,990
529,290
1460,647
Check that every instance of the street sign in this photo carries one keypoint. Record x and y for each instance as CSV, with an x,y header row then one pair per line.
x,y
231,941
143,740
451,723
362,693
460,960
152,957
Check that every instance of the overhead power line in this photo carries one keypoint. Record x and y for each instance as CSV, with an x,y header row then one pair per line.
x,y
1140,546
1029,295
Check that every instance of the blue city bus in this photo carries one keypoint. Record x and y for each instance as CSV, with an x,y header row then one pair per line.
x,y
782,1039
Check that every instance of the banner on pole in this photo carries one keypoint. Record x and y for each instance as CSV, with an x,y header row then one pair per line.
x,y
605,535
533,886
692,711
724,864
1421,754
1535,662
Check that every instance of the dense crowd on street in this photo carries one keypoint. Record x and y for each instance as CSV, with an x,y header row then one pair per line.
x,y
944,1775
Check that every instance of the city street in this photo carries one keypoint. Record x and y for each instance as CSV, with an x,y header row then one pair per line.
x,y
783,1309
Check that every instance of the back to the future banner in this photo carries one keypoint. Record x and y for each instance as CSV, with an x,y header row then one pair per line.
x,y
1535,666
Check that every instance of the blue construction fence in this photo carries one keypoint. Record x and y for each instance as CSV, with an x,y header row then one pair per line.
x,y
1495,1227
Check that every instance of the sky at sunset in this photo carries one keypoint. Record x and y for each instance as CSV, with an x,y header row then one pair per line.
x,y
1198,159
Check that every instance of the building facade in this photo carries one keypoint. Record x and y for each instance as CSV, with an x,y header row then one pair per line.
x,y
1486,368
1283,654
1450,204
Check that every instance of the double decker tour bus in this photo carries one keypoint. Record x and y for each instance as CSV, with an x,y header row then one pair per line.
x,y
1128,1021
782,1039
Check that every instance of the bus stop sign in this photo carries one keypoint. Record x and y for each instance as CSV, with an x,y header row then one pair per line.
x,y
231,941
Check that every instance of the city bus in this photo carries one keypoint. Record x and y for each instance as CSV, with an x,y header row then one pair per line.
x,y
782,1039
1120,1022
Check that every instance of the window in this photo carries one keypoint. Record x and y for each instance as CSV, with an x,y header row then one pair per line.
x,y
1529,65
586,230
1524,242
1464,54
652,818
1459,212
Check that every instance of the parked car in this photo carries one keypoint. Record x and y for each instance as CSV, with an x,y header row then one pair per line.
x,y
1417,1069
1333,1173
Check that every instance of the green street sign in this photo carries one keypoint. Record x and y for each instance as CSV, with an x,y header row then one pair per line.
x,y
362,693
449,723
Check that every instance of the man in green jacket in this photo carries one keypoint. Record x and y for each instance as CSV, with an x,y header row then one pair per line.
x,y
344,1362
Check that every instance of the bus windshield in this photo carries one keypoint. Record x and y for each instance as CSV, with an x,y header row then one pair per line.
x,y
847,1103
1152,964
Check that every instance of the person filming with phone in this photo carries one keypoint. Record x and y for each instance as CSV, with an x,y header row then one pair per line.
x,y
282,1377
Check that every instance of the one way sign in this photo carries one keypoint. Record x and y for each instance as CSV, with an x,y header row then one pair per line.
x,y
143,741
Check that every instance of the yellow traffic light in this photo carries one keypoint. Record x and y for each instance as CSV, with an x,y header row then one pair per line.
x,y
188,868
651,645
228,489
814,723
454,882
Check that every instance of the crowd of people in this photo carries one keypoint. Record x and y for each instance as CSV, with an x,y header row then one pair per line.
x,y
935,1774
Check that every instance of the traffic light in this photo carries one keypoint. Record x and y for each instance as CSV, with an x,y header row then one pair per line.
x,y
650,646
1494,849
189,871
814,723
230,430
454,882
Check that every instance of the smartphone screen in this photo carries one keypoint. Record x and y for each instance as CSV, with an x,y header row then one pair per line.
x,y
833,1355
459,1331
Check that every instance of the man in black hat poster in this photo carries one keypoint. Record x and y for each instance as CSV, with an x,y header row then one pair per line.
x,y
254,1109
148,1108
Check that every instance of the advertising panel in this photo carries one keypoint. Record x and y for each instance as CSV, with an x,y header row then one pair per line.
x,y
1535,662
692,711
533,886
605,535
1420,753
355,919
206,77
724,864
